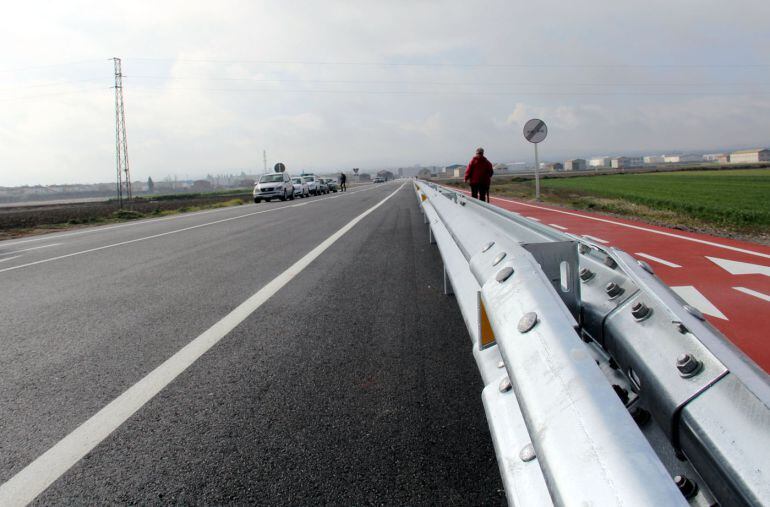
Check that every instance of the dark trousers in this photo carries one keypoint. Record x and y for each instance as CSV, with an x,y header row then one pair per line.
x,y
480,191
342,186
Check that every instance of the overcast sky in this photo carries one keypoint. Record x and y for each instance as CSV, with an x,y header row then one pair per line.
x,y
334,85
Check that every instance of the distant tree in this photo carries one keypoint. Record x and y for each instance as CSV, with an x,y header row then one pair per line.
x,y
150,185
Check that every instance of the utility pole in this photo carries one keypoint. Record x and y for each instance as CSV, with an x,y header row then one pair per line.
x,y
121,144
264,158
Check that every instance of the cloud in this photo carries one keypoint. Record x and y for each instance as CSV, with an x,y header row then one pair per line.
x,y
326,85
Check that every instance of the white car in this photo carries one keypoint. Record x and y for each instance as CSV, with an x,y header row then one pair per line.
x,y
313,185
300,187
272,186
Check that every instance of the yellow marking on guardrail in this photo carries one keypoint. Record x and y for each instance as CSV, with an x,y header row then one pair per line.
x,y
423,197
486,334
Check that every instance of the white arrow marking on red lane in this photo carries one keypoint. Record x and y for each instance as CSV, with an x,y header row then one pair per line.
x,y
740,268
698,300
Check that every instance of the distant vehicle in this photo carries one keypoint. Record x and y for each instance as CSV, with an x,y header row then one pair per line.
x,y
333,187
272,186
300,187
313,185
322,186
379,179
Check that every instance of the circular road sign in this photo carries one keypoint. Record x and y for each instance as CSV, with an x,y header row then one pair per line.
x,y
279,167
535,130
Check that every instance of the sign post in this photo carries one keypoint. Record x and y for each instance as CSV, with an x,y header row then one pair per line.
x,y
535,132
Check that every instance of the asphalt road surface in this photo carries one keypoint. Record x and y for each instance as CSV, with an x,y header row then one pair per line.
x,y
281,353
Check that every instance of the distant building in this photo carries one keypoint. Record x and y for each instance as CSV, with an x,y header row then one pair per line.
x,y
654,159
626,162
720,158
682,159
500,168
556,167
575,164
454,171
424,173
600,162
750,156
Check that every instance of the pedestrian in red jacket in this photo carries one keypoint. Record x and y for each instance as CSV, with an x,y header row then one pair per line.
x,y
479,175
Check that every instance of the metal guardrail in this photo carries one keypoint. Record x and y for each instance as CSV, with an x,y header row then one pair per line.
x,y
602,386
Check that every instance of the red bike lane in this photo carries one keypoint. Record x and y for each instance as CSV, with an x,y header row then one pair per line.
x,y
728,280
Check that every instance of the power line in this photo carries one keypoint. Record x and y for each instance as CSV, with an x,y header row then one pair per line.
x,y
461,64
431,83
449,92
50,65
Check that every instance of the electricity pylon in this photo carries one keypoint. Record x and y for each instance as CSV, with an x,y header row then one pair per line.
x,y
121,144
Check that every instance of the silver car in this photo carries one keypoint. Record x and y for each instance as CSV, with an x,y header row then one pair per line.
x,y
312,183
300,187
272,186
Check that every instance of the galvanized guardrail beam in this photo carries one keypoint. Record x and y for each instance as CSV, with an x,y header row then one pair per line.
x,y
610,390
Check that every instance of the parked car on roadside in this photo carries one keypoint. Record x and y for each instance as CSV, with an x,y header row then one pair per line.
x,y
273,186
379,180
333,186
300,187
313,184
322,186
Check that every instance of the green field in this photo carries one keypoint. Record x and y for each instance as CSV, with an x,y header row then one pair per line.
x,y
735,199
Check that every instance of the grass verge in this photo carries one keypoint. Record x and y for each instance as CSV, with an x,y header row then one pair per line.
x,y
732,203
110,215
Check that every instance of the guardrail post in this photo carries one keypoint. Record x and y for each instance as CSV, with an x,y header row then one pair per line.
x,y
447,283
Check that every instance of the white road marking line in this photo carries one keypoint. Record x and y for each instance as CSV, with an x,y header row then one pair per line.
x,y
658,260
301,204
754,293
35,478
138,222
144,238
698,300
740,268
533,218
10,258
594,238
30,249
638,228
558,227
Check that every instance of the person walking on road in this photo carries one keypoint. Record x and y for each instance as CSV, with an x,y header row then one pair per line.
x,y
343,179
479,175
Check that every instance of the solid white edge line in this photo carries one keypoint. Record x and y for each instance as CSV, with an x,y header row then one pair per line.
x,y
153,236
10,258
638,228
594,238
558,227
658,260
36,477
102,228
754,293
